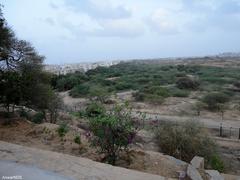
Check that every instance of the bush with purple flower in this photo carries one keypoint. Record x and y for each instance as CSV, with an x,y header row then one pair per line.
x,y
113,131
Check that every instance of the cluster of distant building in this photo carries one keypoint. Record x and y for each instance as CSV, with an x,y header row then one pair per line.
x,y
84,67
77,67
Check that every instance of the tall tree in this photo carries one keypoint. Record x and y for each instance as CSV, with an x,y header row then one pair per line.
x,y
6,40
22,78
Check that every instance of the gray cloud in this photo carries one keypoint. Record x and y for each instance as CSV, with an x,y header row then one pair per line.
x,y
111,28
220,14
53,5
88,18
50,21
103,12
229,7
100,29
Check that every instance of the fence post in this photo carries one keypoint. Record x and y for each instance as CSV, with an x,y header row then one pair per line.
x,y
239,134
230,132
221,130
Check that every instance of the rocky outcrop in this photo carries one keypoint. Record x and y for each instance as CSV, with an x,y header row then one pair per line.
x,y
197,162
193,173
214,175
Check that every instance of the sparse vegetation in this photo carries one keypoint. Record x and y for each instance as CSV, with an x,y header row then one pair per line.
x,y
176,92
77,139
95,109
153,82
38,118
198,107
186,141
62,130
216,163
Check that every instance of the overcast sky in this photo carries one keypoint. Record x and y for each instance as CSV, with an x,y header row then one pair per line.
x,y
68,31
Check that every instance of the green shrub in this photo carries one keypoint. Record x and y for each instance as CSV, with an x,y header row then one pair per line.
x,y
175,92
214,99
157,90
69,81
62,130
185,141
80,90
123,86
181,67
237,84
99,92
81,114
187,83
216,163
38,118
181,74
24,114
154,99
95,109
77,139
112,132
139,96
198,107
8,114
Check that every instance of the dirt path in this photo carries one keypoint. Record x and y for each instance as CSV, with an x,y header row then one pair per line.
x,y
209,123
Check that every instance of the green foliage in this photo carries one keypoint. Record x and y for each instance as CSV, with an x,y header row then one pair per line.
x,y
80,114
123,86
157,90
237,84
185,141
155,99
213,100
38,118
10,92
187,83
152,80
139,96
24,114
216,163
67,82
153,94
95,109
77,139
112,132
176,92
22,79
54,104
80,90
198,107
99,92
6,39
62,130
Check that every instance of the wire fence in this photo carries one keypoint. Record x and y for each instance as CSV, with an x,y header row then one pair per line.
x,y
214,129
155,119
228,132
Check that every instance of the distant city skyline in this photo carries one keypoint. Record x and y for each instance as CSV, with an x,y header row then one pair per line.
x,y
77,31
